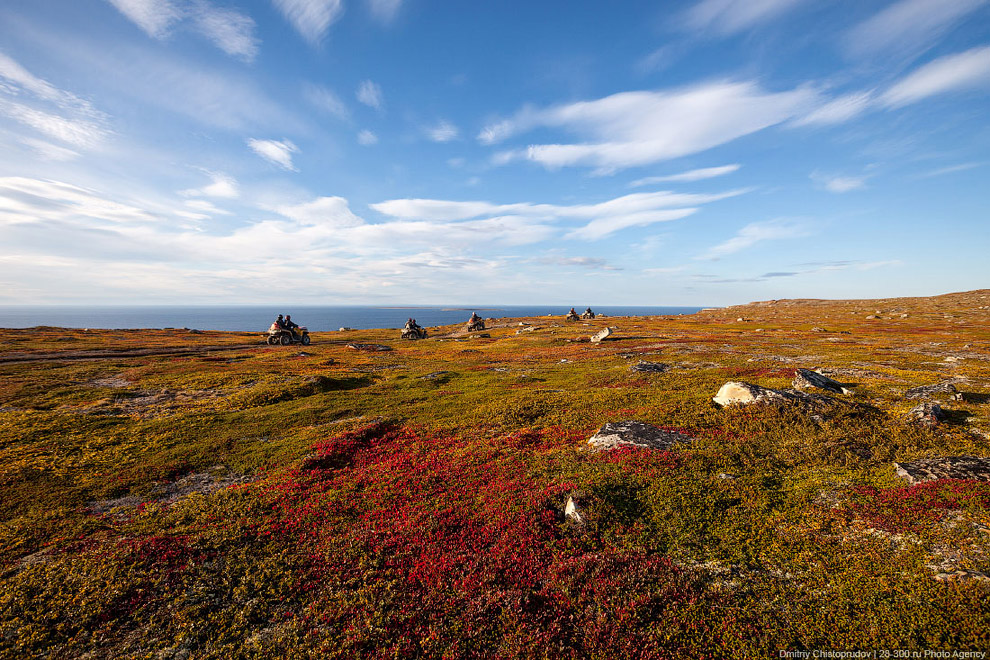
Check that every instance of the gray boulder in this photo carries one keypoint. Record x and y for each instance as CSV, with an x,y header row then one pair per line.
x,y
928,414
650,367
926,391
806,378
945,467
631,433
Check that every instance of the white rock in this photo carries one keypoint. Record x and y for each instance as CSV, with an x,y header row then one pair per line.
x,y
598,336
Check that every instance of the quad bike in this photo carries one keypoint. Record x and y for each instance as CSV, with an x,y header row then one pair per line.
x,y
277,335
413,333
473,326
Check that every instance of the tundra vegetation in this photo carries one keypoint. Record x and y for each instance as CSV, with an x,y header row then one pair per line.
x,y
162,500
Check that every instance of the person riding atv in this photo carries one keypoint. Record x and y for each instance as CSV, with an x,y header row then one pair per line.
x,y
285,332
572,316
413,330
588,314
475,323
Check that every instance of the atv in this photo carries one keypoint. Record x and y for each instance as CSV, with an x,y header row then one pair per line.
x,y
413,333
285,337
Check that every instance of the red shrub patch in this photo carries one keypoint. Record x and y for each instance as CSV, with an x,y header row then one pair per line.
x,y
914,508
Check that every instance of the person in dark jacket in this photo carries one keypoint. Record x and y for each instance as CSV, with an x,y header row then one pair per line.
x,y
280,322
290,326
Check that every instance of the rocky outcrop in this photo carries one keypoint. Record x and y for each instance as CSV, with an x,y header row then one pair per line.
x,y
650,367
604,334
927,414
806,379
944,467
369,347
927,391
632,434
818,406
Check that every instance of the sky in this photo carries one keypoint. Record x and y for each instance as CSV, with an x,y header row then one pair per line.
x,y
705,152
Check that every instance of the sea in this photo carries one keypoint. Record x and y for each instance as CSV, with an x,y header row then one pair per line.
x,y
259,317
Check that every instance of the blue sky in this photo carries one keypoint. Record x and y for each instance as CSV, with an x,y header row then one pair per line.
x,y
707,152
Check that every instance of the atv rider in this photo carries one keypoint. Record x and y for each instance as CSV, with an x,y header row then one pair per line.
x,y
289,325
280,322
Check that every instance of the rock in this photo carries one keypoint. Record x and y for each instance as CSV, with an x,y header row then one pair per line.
x,y
926,391
945,467
369,347
598,336
345,329
434,375
650,367
805,378
927,414
819,330
571,511
746,393
631,433
726,476
737,392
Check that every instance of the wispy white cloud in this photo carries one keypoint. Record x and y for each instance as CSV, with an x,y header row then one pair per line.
x,y
443,131
25,200
603,219
79,133
311,18
837,110
74,121
638,128
951,169
324,99
591,263
908,27
230,30
155,17
370,94
278,152
205,207
607,225
950,73
384,10
757,232
49,151
731,16
691,175
221,185
332,212
367,138
837,183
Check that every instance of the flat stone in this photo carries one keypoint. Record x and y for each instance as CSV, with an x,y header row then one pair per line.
x,y
369,347
631,433
598,336
926,391
650,367
944,467
805,378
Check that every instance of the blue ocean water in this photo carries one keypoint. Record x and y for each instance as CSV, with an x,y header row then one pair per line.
x,y
258,318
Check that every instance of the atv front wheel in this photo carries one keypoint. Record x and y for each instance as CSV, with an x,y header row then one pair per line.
x,y
285,340
306,340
